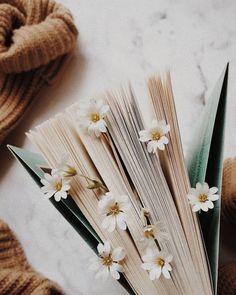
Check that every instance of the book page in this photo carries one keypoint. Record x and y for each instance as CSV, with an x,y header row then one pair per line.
x,y
155,183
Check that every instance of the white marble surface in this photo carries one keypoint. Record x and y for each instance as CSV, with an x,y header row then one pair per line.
x,y
119,40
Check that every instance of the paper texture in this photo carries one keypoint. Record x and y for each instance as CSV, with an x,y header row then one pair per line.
x,y
67,207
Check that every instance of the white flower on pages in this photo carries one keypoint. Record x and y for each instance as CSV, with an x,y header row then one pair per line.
x,y
154,232
64,169
155,136
115,209
157,263
91,116
202,197
108,261
55,185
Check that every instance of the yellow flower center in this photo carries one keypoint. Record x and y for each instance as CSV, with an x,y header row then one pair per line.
x,y
57,186
203,198
71,171
114,210
95,117
156,135
160,262
107,261
149,232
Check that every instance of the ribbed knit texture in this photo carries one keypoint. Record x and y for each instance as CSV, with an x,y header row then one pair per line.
x,y
35,38
16,276
228,210
227,279
227,272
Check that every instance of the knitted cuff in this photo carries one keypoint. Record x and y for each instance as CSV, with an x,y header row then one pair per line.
x,y
16,275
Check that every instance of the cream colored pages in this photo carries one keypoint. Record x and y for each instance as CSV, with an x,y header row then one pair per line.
x,y
125,166
174,167
57,137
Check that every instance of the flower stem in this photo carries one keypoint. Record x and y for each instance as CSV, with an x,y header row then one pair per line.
x,y
94,183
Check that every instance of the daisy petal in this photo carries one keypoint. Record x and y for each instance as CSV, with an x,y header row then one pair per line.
x,y
101,125
161,145
119,267
199,186
49,194
57,196
64,195
121,221
204,207
166,273
107,248
149,255
144,136
166,129
154,123
155,273
152,146
196,208
112,225
205,187
192,199
213,197
164,139
65,187
123,199
169,258
115,274
104,110
168,267
100,248
106,222
209,204
213,190
118,254
44,181
147,265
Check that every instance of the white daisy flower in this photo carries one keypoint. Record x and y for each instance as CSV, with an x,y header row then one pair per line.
x,y
157,263
202,197
155,136
55,185
64,169
91,116
114,208
108,261
154,232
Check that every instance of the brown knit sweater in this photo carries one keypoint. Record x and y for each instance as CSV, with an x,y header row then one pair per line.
x,y
229,191
16,276
227,279
227,272
35,38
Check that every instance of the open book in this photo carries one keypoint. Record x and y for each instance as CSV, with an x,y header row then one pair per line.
x,y
126,189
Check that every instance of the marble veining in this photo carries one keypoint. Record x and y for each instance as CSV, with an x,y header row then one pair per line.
x,y
119,41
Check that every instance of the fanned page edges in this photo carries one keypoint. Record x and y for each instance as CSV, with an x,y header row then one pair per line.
x,y
36,166
174,168
125,166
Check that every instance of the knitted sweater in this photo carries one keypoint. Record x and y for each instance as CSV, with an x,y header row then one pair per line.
x,y
16,276
35,38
